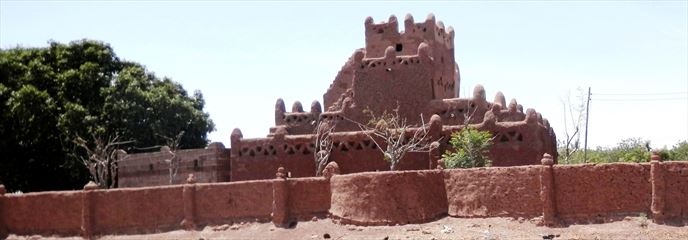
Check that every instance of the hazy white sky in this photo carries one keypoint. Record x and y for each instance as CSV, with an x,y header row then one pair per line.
x,y
245,55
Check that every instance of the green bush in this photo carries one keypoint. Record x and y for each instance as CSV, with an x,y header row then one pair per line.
x,y
630,150
679,152
470,148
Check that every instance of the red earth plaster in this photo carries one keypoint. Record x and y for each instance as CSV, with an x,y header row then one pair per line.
x,y
602,189
492,192
388,197
45,212
137,208
221,201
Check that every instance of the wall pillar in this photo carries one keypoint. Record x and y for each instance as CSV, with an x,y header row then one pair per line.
x,y
549,208
435,134
87,210
189,198
331,169
280,199
234,151
3,226
658,188
435,157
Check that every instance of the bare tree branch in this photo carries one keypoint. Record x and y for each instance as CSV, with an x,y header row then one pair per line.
x,y
171,148
323,146
101,159
392,131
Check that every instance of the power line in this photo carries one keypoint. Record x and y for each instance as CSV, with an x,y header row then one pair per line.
x,y
641,94
638,99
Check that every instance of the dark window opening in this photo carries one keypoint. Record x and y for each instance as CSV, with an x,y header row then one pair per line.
x,y
195,166
399,47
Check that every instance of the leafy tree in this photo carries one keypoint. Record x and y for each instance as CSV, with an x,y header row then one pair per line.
x,y
632,150
470,149
679,151
52,96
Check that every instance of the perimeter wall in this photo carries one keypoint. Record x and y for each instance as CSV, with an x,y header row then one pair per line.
x,y
590,191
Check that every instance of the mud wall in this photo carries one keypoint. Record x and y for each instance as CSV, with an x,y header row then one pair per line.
x,y
46,212
253,159
498,191
220,201
675,175
151,169
308,197
582,191
383,198
137,208
259,158
555,192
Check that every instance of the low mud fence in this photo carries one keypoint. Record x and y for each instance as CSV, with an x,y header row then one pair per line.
x,y
553,192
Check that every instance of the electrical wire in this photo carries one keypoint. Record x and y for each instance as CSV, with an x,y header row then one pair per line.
x,y
640,94
634,97
637,99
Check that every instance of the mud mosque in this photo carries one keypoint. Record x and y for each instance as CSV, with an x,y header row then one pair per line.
x,y
413,71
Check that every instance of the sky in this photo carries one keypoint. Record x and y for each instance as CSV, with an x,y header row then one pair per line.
x,y
244,55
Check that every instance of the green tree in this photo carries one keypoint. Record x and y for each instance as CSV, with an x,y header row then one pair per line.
x,y
679,151
470,149
51,96
632,150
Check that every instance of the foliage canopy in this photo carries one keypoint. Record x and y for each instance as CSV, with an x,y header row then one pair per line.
x,y
49,96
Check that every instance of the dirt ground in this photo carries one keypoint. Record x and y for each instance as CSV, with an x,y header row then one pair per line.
x,y
445,228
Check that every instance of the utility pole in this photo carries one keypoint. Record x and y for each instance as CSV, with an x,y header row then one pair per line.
x,y
587,114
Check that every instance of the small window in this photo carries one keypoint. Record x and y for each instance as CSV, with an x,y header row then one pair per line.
x,y
150,167
196,167
399,47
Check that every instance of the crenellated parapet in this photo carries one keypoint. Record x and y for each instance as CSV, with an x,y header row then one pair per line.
x,y
384,42
517,142
297,121
391,60
379,36
354,151
458,111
